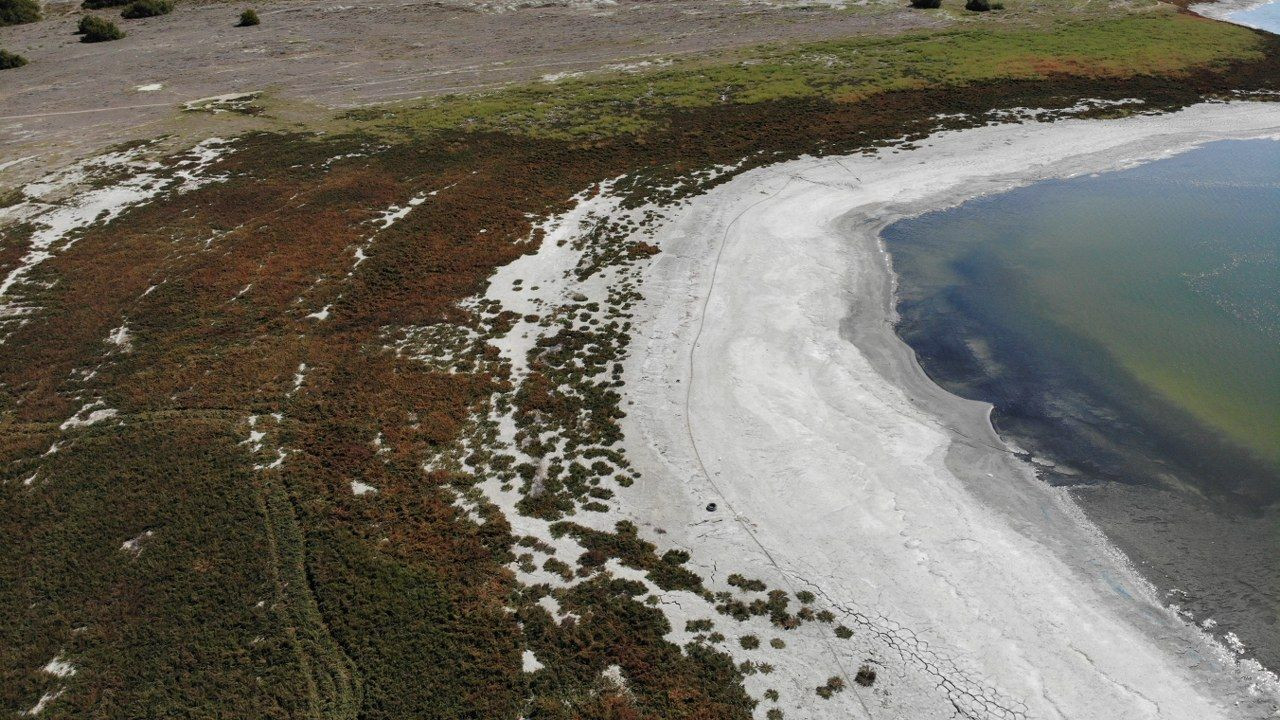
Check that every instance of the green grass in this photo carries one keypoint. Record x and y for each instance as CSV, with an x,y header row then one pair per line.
x,y
1156,40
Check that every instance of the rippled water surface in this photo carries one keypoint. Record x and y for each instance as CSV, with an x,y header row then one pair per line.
x,y
1127,328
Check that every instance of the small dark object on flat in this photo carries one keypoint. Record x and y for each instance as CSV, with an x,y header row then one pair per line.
x,y
926,4
866,676
146,8
248,18
11,60
711,507
978,5
99,4
96,29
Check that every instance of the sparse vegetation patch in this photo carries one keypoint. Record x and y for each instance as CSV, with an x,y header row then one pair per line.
x,y
96,29
19,12
146,8
11,60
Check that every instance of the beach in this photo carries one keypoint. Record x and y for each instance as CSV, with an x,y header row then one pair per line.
x,y
766,377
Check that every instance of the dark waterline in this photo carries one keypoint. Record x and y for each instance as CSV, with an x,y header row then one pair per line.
x,y
1126,327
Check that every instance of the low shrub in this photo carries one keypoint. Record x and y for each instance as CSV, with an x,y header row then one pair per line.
x,y
146,8
777,643
11,60
18,12
248,18
833,686
866,676
978,5
99,4
96,29
843,632
773,714
926,4
749,642
747,584
805,597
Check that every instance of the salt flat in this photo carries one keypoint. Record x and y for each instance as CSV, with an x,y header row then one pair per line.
x,y
766,378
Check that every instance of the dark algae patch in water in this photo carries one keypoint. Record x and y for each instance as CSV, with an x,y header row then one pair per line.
x,y
1126,327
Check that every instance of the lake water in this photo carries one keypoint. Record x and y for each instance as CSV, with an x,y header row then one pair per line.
x,y
1126,326
1265,17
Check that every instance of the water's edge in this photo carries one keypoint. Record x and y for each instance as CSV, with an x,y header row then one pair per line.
x,y
977,444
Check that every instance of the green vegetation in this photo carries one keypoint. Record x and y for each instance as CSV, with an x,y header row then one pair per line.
x,y
18,12
749,642
96,29
866,676
146,8
843,632
100,4
248,18
926,4
11,60
1154,40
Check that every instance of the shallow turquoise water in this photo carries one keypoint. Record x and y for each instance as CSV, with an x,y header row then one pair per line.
x,y
1127,327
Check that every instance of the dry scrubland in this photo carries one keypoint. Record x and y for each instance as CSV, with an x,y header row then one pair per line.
x,y
273,447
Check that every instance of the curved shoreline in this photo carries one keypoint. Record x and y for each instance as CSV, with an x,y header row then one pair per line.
x,y
1224,9
847,471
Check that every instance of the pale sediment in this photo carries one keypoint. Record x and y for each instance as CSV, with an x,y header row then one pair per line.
x,y
766,377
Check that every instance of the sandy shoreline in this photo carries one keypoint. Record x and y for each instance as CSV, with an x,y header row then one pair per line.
x,y
766,377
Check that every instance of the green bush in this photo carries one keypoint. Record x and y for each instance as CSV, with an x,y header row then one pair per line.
x,y
17,12
96,29
978,5
146,8
248,18
926,4
749,642
99,4
11,60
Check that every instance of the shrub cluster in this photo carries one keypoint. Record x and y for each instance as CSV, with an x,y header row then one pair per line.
x,y
982,5
833,686
146,8
248,18
18,12
11,60
926,4
96,29
100,4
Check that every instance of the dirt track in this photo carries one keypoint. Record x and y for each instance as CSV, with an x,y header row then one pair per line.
x,y
76,97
